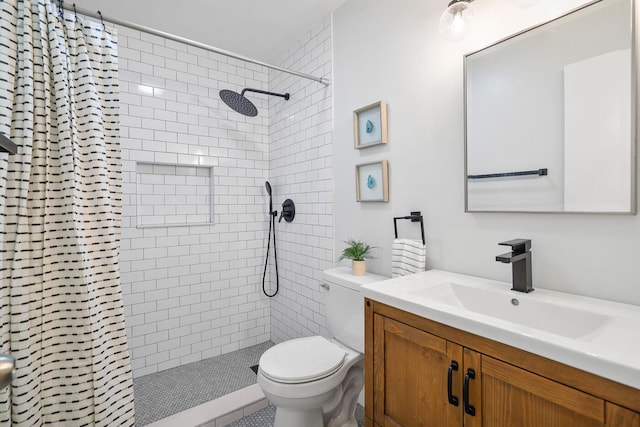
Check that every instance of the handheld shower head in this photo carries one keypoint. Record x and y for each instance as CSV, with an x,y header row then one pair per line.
x,y
268,186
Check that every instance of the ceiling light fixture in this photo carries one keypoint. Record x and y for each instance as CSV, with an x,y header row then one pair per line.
x,y
456,20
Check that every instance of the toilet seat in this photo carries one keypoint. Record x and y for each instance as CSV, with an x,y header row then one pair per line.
x,y
302,360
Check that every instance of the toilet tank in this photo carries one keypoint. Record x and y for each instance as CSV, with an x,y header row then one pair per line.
x,y
344,305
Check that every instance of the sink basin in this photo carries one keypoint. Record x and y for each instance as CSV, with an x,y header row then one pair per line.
x,y
520,309
594,335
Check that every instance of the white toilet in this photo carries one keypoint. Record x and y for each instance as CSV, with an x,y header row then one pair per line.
x,y
314,381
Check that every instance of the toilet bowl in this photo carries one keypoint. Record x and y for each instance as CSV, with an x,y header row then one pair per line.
x,y
315,381
313,391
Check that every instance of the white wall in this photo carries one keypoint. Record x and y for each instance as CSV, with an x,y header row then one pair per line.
x,y
301,169
392,51
191,292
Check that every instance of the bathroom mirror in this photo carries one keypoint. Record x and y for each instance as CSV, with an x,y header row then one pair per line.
x,y
550,116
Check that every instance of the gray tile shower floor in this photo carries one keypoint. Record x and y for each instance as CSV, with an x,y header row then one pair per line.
x,y
177,389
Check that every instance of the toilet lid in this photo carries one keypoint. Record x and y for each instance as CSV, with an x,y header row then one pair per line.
x,y
302,360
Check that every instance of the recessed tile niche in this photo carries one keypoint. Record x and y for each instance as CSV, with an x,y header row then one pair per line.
x,y
173,195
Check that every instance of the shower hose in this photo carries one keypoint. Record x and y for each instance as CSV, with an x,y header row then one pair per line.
x,y
272,228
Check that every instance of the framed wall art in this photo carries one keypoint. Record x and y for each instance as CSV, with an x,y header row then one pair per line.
x,y
370,125
372,182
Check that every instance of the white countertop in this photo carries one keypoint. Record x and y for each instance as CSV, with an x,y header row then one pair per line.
x,y
604,341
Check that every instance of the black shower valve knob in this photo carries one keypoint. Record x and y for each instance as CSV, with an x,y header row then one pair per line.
x,y
288,211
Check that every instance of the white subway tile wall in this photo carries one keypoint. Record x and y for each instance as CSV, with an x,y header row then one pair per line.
x,y
173,195
301,169
191,292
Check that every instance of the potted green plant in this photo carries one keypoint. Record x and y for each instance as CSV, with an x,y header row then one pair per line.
x,y
357,251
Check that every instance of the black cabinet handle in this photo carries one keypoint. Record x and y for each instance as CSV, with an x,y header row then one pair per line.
x,y
469,409
452,399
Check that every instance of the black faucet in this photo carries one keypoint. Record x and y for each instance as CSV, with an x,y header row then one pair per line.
x,y
520,258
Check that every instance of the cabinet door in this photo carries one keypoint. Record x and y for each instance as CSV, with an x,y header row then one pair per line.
x,y
618,416
411,371
513,397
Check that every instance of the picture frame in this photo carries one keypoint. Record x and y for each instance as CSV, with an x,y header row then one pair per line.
x,y
370,125
372,182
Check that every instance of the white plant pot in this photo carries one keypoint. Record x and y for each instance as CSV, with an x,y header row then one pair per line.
x,y
358,268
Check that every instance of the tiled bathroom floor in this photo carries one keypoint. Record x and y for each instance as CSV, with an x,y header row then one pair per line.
x,y
174,390
264,418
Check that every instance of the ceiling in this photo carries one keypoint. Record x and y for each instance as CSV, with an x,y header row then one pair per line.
x,y
260,29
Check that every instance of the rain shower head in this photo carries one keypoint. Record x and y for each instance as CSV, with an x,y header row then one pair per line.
x,y
238,102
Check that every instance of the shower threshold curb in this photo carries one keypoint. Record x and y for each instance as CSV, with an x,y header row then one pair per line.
x,y
219,412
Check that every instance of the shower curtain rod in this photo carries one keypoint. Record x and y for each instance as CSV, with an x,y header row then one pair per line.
x,y
73,9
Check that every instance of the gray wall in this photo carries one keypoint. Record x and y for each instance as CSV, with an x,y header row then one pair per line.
x,y
392,51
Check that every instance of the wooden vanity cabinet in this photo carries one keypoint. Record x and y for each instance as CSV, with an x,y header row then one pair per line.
x,y
416,370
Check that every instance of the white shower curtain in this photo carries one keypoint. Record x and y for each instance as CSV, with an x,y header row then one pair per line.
x,y
61,309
